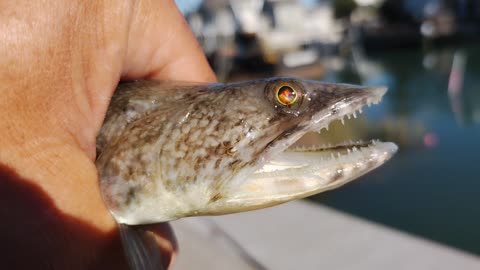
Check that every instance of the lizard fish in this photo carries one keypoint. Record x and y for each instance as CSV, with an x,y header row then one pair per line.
x,y
169,150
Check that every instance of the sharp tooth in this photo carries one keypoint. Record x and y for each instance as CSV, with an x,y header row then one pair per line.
x,y
338,155
348,150
348,116
354,115
343,121
326,128
355,149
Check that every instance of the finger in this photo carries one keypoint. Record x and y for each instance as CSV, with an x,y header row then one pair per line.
x,y
162,46
147,247
164,237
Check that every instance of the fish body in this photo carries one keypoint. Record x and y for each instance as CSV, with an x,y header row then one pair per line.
x,y
169,150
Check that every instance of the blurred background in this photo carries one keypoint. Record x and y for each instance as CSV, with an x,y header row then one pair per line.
x,y
425,51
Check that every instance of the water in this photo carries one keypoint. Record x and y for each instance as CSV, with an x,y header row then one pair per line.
x,y
431,188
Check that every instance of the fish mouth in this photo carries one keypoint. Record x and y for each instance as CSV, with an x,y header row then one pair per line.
x,y
287,172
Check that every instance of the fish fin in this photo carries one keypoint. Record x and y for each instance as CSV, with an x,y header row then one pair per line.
x,y
140,248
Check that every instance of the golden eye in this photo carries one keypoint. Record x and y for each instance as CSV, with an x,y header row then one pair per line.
x,y
286,95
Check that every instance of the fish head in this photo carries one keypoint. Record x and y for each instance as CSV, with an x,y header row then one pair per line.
x,y
281,111
230,149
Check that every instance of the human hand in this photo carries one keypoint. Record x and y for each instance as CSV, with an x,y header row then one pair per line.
x,y
60,63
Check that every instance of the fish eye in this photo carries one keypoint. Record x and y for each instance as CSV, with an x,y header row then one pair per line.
x,y
286,95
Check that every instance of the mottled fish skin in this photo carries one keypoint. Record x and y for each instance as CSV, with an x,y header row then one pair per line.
x,y
170,149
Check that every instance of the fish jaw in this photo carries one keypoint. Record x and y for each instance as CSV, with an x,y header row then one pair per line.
x,y
294,175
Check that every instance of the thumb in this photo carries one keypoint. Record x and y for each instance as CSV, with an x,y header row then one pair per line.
x,y
162,46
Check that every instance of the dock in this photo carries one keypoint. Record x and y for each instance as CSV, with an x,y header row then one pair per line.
x,y
305,235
